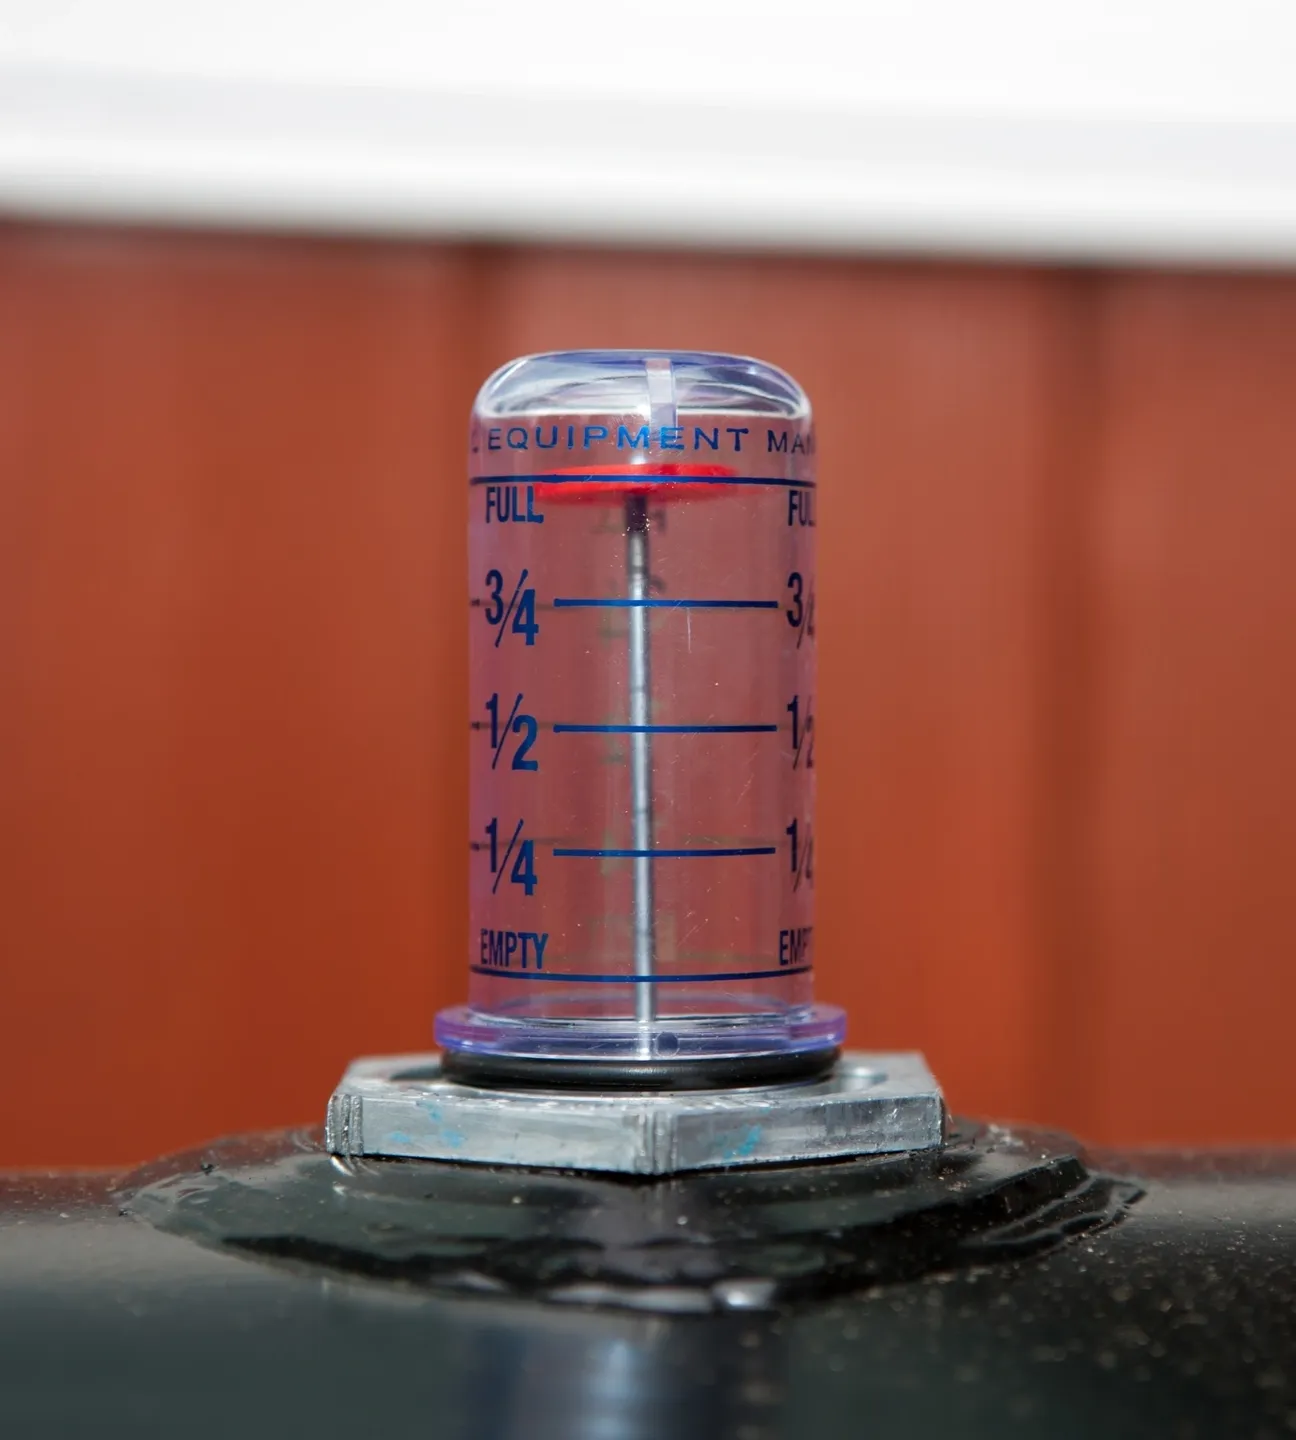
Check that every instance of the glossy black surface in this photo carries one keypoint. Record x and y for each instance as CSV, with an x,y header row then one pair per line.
x,y
1178,1320
753,1238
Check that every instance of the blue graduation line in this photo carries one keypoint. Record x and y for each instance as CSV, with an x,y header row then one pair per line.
x,y
626,604
562,729
659,854
642,979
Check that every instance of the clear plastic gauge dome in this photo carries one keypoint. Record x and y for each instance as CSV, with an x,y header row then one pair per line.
x,y
641,724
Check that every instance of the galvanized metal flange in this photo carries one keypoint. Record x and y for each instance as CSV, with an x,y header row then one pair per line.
x,y
403,1106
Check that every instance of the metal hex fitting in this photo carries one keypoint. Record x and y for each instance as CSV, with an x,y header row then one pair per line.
x,y
870,1104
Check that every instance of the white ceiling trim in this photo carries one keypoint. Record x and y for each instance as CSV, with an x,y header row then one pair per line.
x,y
511,154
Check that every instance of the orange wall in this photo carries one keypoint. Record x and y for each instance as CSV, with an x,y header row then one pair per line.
x,y
1058,675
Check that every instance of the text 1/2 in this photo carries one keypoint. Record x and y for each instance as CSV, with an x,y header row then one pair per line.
x,y
515,723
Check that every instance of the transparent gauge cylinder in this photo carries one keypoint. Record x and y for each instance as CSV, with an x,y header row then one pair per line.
x,y
642,725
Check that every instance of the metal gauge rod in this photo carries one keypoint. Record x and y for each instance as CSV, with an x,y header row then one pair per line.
x,y
641,801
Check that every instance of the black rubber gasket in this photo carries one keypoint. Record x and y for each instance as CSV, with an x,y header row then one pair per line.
x,y
511,1072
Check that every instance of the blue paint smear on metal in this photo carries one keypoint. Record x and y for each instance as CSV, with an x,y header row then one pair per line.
x,y
746,1146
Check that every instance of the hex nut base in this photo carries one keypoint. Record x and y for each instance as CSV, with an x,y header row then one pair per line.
x,y
402,1106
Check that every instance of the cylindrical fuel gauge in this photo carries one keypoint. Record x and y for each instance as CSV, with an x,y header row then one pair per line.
x,y
642,726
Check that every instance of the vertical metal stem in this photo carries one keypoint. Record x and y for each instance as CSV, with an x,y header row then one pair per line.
x,y
641,803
